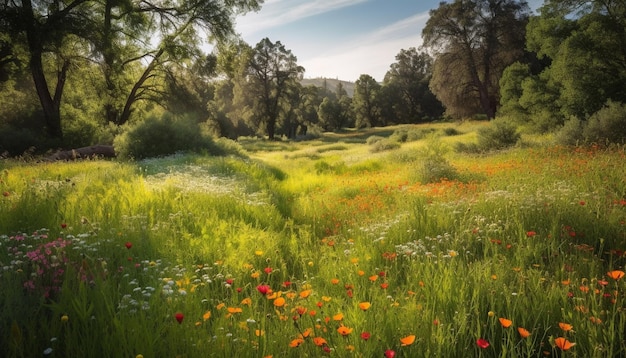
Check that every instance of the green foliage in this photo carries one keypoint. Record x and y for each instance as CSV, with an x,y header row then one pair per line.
x,y
399,135
366,102
406,87
571,133
379,144
160,136
584,47
475,41
450,131
607,125
17,141
499,134
435,167
323,167
373,139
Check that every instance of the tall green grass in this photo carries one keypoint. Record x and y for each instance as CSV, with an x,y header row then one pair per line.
x,y
344,253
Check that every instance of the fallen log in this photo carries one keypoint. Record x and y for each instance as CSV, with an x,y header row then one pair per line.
x,y
94,151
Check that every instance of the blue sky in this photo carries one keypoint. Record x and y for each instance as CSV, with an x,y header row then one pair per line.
x,y
341,38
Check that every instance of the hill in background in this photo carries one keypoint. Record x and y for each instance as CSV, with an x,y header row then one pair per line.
x,y
331,84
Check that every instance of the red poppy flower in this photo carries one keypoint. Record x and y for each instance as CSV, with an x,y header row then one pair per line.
x,y
389,353
482,343
263,289
63,225
179,317
268,270
365,336
128,245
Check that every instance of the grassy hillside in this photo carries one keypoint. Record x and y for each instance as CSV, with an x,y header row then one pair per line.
x,y
336,247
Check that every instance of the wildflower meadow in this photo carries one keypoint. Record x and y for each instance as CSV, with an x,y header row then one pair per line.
x,y
318,248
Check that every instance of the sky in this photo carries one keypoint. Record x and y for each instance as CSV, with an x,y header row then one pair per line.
x,y
342,39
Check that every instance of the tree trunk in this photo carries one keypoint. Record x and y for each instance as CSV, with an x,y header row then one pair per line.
x,y
50,106
105,151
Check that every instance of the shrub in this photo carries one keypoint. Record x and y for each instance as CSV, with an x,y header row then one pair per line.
x,y
383,145
450,131
435,166
417,134
160,136
323,167
571,133
16,141
399,135
498,135
607,125
435,169
79,132
470,148
373,139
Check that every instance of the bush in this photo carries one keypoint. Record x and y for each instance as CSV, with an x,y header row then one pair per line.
x,y
607,125
79,132
373,139
383,145
450,131
571,133
417,134
469,148
16,141
160,136
498,135
435,167
399,135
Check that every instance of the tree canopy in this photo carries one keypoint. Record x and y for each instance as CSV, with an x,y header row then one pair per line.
x,y
474,40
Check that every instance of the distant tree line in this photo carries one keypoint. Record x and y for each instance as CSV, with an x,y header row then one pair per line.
x,y
75,73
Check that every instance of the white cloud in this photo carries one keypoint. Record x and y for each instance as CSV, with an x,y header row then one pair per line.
x,y
370,54
276,13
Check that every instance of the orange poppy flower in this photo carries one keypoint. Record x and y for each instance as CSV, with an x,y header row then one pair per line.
x,y
234,309
246,301
523,332
615,274
344,331
305,293
364,306
565,326
563,343
319,341
506,323
334,281
307,332
206,315
373,278
408,340
296,342
279,302
338,317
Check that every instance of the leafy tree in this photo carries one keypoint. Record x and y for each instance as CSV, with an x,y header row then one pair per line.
x,y
366,102
119,34
586,44
335,111
408,80
475,40
271,72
